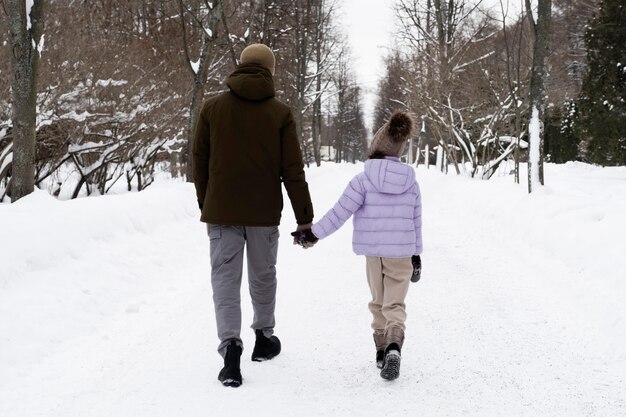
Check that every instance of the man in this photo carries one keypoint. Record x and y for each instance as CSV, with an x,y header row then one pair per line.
x,y
245,144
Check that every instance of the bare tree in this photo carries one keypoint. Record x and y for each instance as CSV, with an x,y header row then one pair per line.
x,y
26,26
324,48
125,96
204,17
539,75
444,34
349,135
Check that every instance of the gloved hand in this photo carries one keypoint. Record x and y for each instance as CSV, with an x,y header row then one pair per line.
x,y
300,228
304,238
417,268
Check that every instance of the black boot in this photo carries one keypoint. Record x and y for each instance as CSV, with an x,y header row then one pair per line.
x,y
379,342
230,375
380,357
391,363
265,348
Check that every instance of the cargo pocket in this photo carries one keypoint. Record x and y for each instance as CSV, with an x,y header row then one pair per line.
x,y
215,245
214,231
273,245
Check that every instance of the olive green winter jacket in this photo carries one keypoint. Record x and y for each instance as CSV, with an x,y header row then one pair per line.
x,y
245,144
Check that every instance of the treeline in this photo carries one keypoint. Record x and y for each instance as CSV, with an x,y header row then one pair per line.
x,y
120,83
466,71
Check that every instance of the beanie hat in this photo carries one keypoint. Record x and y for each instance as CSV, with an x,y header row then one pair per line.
x,y
257,53
392,136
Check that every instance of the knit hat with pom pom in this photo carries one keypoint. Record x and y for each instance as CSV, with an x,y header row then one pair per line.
x,y
392,136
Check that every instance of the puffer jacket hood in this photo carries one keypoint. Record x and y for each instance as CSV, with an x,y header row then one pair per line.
x,y
251,82
389,175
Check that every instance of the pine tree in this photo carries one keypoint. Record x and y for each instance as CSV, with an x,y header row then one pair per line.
x,y
561,139
602,106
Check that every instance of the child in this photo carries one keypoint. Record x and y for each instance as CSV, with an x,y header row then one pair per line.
x,y
386,204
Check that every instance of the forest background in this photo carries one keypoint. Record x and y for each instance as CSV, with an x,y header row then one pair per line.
x,y
119,83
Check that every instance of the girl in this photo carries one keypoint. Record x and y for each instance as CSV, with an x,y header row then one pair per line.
x,y
386,204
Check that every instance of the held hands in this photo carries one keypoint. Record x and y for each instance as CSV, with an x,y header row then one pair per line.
x,y
417,268
304,237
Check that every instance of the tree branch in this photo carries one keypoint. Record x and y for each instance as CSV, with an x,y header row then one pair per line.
x,y
185,42
231,49
4,8
531,19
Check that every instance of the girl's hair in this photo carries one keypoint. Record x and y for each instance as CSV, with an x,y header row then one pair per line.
x,y
376,155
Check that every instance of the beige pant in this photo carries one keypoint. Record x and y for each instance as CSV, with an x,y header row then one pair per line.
x,y
389,280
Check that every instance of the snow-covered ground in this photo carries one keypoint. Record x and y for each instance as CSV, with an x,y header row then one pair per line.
x,y
105,307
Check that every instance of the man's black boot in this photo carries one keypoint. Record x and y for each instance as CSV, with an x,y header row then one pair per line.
x,y
380,358
230,375
265,348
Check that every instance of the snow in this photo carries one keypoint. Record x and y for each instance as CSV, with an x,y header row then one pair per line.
x,y
114,83
466,64
105,306
5,161
534,132
29,6
509,139
79,117
195,65
40,45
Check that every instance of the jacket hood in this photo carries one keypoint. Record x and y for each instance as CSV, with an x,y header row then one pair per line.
x,y
389,175
251,82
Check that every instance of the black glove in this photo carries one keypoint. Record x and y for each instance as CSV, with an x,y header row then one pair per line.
x,y
305,238
417,268
200,204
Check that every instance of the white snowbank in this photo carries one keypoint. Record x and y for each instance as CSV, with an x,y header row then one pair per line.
x,y
46,232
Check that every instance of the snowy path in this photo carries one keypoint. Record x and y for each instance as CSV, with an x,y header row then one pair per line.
x,y
124,326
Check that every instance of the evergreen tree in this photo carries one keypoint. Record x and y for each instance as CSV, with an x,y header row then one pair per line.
x,y
561,139
602,106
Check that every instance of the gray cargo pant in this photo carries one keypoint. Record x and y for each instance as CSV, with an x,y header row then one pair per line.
x,y
226,248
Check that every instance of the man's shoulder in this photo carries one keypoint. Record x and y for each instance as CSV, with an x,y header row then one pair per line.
x,y
278,108
210,102
279,104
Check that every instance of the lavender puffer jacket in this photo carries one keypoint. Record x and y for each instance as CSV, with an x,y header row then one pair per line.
x,y
387,207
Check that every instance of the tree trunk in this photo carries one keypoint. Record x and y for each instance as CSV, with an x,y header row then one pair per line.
x,y
538,78
302,56
317,105
199,76
197,95
26,34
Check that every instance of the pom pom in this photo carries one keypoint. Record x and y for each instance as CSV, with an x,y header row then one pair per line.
x,y
401,126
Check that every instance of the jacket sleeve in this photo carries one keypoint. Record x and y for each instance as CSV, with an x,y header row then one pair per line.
x,y
201,153
417,219
292,173
349,202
